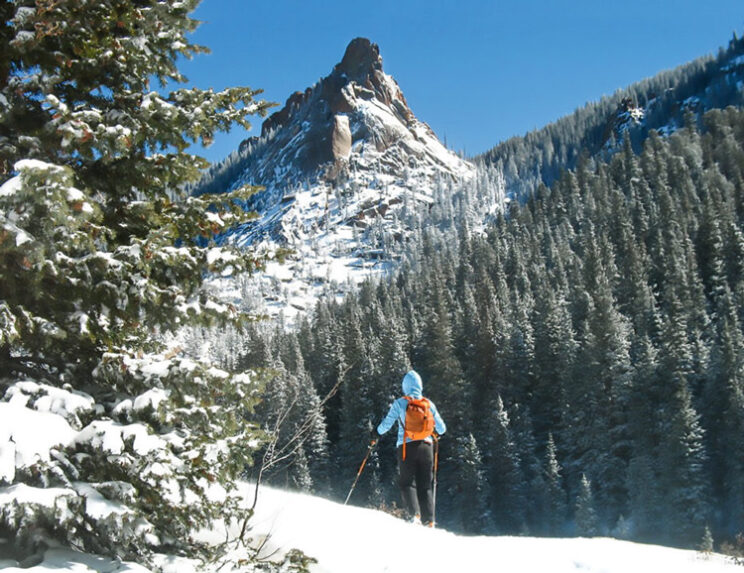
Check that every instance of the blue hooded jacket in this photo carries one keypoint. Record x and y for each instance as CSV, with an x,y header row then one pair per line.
x,y
412,386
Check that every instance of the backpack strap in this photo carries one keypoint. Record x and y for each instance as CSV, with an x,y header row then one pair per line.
x,y
405,419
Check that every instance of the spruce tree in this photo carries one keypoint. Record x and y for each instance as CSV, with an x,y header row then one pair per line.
x,y
102,254
357,416
606,310
555,353
536,506
308,431
440,369
586,513
724,401
706,543
682,457
645,427
467,503
505,495
555,492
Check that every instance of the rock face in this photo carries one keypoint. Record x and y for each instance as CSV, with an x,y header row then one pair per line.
x,y
627,116
347,170
360,57
341,138
353,125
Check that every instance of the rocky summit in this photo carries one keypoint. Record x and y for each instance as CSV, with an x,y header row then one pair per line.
x,y
352,132
342,164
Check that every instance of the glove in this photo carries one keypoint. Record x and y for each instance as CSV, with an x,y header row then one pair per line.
x,y
374,436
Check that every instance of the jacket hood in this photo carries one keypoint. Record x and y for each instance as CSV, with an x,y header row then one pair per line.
x,y
412,385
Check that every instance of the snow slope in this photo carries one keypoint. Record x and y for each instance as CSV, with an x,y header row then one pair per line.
x,y
346,539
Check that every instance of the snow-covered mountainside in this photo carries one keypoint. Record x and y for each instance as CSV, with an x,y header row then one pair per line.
x,y
343,538
346,166
353,125
663,103
634,117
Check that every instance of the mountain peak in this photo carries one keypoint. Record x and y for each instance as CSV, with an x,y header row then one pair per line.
x,y
347,171
352,134
360,66
361,58
354,120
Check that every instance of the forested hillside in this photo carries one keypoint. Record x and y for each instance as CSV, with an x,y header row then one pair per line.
x,y
586,352
599,128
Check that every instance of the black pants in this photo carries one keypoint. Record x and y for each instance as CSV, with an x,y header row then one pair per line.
x,y
416,479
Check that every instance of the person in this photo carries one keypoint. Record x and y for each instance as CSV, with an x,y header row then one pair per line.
x,y
416,459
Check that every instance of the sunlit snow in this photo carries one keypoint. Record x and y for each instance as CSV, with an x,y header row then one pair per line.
x,y
345,539
341,538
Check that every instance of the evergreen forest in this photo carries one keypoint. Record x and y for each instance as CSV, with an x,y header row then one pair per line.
x,y
586,351
597,128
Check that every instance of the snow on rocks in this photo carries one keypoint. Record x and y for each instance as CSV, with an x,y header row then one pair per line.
x,y
346,167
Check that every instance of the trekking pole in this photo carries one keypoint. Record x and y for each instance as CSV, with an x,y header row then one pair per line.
x,y
361,468
434,487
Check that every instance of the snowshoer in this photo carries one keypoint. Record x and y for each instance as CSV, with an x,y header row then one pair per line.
x,y
419,424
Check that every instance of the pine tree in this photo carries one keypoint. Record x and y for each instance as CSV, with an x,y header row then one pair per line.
x,y
682,456
467,504
296,454
645,427
439,367
724,401
707,544
536,502
357,415
555,353
308,430
606,311
596,405
506,496
586,514
107,255
519,353
555,492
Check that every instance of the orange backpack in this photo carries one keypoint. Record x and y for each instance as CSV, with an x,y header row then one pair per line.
x,y
419,423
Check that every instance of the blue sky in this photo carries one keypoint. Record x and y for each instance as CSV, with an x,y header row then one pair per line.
x,y
477,72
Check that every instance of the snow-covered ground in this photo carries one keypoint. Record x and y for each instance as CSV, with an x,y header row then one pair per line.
x,y
351,539
346,539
